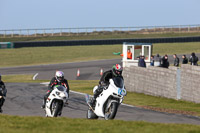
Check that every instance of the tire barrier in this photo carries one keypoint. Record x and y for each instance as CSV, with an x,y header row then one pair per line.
x,y
105,42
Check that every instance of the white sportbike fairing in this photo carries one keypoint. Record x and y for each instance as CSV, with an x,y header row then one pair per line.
x,y
108,101
55,102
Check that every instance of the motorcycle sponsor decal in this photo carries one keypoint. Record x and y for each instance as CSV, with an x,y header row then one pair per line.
x,y
122,92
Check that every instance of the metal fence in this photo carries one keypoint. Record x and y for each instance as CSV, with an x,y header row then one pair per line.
x,y
98,30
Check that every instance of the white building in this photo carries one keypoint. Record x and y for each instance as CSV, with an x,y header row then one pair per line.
x,y
137,50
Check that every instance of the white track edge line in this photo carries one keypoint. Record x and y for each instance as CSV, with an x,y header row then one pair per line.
x,y
35,76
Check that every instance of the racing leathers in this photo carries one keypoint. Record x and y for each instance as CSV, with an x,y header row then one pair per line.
x,y
3,92
52,83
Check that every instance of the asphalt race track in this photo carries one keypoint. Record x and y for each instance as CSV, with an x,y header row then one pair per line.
x,y
89,70
25,99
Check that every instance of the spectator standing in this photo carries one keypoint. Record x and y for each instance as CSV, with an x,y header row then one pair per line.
x,y
157,60
185,59
152,61
129,54
176,60
165,62
142,62
194,59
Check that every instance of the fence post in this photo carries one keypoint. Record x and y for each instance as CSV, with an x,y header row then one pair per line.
x,y
52,32
27,33
60,32
178,83
4,33
70,32
20,33
35,33
77,31
44,33
12,33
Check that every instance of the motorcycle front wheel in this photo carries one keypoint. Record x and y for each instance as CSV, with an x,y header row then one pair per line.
x,y
112,111
55,108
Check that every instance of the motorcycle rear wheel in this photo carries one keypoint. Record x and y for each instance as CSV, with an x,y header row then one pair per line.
x,y
91,115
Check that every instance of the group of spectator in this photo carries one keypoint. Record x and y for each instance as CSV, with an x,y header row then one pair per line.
x,y
163,61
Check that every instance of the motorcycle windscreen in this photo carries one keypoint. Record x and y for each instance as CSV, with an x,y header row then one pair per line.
x,y
119,82
61,88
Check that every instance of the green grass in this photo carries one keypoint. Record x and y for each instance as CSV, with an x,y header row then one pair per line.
x,y
176,48
19,124
51,55
20,79
97,36
135,99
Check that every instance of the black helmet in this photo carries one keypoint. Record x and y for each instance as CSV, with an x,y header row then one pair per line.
x,y
117,70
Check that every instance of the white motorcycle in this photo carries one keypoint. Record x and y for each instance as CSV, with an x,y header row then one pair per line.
x,y
108,101
55,102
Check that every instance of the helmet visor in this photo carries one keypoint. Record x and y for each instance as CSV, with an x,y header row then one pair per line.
x,y
118,72
60,78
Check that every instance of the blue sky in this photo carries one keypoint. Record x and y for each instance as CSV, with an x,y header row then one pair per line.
x,y
23,14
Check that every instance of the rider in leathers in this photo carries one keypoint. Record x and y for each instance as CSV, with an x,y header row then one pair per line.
x,y
57,80
104,81
2,94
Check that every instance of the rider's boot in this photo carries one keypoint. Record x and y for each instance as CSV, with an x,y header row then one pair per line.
x,y
96,93
92,102
44,104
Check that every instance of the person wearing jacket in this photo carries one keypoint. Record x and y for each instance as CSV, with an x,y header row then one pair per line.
x,y
157,60
176,60
57,80
142,62
185,59
194,59
104,81
165,62
3,92
152,61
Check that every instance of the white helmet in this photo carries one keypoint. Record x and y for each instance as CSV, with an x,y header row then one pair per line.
x,y
59,76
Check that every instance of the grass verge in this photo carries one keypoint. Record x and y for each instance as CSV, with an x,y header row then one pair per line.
x,y
52,55
135,99
19,124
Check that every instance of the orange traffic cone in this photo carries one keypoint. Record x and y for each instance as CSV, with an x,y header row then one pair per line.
x,y
78,73
101,72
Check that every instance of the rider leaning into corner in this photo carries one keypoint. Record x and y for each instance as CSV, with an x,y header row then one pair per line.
x,y
57,80
104,81
3,92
